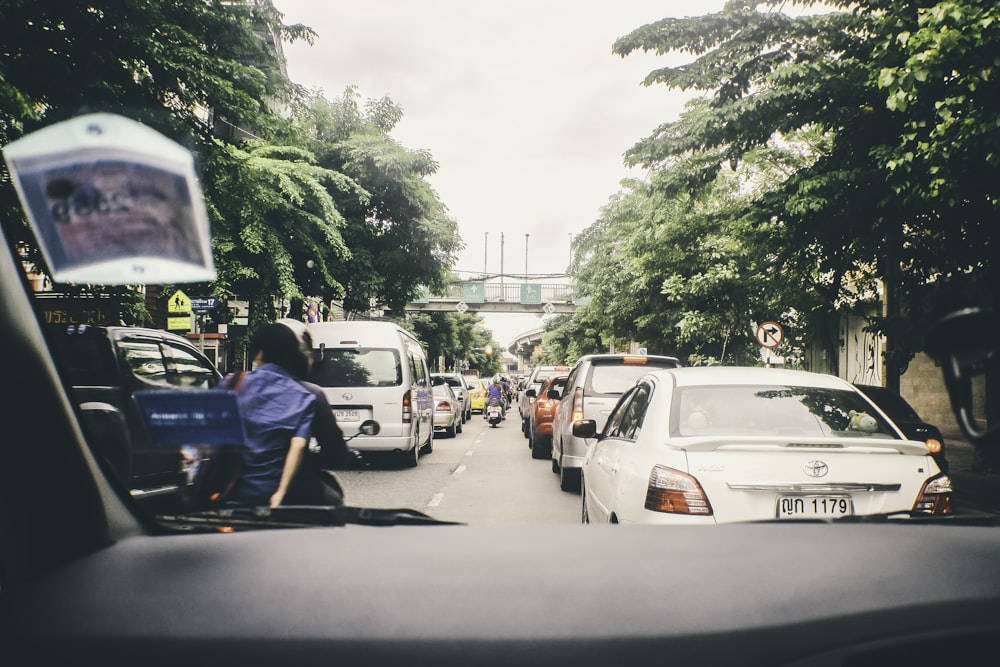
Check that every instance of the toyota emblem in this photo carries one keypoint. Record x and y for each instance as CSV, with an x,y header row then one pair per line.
x,y
816,469
347,396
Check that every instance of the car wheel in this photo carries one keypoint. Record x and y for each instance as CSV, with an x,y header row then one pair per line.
x,y
451,431
540,448
525,429
569,478
458,426
584,516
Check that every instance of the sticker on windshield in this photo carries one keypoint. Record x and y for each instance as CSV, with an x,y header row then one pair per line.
x,y
112,202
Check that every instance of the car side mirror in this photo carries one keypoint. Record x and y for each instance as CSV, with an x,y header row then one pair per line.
x,y
964,343
554,395
585,428
531,393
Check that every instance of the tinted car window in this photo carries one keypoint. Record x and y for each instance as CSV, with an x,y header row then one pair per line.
x,y
358,368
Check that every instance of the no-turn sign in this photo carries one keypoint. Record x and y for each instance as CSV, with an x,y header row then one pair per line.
x,y
770,334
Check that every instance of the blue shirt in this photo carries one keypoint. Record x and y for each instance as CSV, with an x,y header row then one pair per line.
x,y
275,408
494,392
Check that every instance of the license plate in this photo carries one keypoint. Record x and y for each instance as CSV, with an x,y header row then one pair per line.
x,y
812,507
347,415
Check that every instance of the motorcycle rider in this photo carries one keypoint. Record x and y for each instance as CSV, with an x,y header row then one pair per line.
x,y
495,392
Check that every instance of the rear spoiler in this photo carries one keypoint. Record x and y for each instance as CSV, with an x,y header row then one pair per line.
x,y
857,444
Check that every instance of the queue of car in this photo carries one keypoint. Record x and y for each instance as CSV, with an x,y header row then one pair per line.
x,y
658,443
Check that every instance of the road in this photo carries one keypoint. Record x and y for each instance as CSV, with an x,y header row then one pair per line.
x,y
483,475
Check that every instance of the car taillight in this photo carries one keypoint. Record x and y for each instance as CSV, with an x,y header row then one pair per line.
x,y
935,497
934,445
577,404
407,412
675,492
443,406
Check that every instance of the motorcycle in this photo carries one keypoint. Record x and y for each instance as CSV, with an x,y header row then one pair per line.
x,y
494,412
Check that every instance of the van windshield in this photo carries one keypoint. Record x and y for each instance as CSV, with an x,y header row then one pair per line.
x,y
358,367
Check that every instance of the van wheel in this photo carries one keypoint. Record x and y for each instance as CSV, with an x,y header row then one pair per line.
x,y
411,456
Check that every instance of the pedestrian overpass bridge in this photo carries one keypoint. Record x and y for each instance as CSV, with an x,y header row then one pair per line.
x,y
501,297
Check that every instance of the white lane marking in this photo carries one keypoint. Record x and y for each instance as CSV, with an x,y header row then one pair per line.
x,y
458,470
436,500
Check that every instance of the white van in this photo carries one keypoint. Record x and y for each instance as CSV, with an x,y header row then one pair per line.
x,y
371,369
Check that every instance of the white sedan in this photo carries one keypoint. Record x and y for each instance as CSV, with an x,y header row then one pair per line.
x,y
723,444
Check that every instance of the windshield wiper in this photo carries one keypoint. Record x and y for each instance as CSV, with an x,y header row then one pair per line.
x,y
298,516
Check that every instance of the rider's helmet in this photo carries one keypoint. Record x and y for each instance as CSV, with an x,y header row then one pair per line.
x,y
301,332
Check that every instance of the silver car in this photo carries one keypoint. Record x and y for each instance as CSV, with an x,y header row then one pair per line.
x,y
594,385
460,385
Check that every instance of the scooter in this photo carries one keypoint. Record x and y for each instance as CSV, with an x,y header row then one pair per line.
x,y
494,412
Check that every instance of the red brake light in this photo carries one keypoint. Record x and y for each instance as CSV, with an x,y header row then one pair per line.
x,y
935,497
577,404
675,492
407,411
934,445
635,360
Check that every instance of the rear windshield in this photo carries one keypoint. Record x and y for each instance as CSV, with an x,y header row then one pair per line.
x,y
358,367
613,379
774,410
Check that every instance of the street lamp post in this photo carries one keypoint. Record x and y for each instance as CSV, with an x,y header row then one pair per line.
x,y
501,267
486,252
526,257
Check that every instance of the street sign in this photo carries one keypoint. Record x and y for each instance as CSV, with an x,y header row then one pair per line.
x,y
203,305
180,323
549,308
531,294
179,303
770,334
461,307
473,292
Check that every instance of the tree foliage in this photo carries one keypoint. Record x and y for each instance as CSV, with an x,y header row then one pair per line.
x,y
323,205
830,152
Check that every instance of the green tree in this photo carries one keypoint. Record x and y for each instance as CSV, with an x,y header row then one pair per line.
x,y
839,81
400,234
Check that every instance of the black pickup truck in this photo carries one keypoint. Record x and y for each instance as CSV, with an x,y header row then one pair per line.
x,y
105,366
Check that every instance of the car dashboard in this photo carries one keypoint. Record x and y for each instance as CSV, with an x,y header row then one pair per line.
x,y
763,594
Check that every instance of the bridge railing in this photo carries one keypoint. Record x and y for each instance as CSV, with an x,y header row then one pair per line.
x,y
509,292
502,297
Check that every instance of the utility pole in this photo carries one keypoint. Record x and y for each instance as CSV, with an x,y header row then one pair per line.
x,y
526,257
486,253
501,266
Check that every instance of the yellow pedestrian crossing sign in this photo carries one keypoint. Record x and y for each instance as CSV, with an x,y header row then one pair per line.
x,y
179,303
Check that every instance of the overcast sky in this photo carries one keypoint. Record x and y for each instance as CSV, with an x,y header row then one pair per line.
x,y
522,104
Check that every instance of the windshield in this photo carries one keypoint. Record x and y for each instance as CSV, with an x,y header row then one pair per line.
x,y
500,194
745,410
358,368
